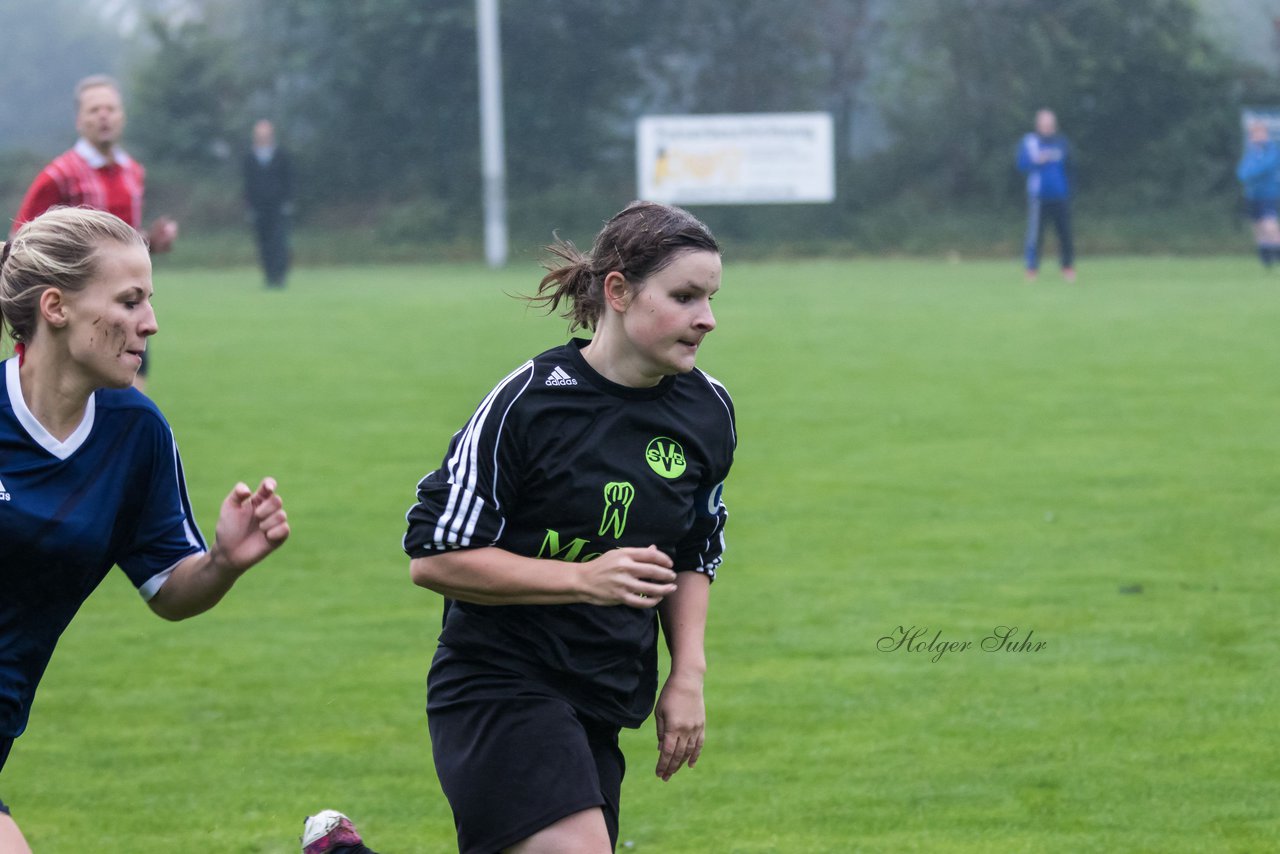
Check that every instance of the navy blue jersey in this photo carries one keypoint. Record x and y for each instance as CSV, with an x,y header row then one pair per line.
x,y
111,493
560,463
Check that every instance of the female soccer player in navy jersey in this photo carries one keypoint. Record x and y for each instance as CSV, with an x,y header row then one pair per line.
x,y
89,472
582,495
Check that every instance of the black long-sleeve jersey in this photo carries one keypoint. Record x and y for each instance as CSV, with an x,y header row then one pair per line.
x,y
560,463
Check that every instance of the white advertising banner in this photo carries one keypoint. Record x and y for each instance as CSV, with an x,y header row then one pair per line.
x,y
736,159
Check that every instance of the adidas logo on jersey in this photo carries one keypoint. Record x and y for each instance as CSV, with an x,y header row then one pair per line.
x,y
559,377
4,496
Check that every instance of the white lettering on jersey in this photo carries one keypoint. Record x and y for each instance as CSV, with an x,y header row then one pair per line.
x,y
560,377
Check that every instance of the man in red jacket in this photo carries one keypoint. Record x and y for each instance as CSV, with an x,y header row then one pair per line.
x,y
96,172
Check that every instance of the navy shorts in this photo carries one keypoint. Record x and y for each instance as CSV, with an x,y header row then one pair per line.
x,y
1260,209
513,756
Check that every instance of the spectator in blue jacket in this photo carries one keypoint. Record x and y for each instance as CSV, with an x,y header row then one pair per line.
x,y
1045,159
1259,172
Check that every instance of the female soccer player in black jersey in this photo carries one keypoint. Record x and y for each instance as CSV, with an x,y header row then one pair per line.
x,y
582,495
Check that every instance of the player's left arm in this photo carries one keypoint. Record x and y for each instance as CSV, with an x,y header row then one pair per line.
x,y
250,526
1269,160
161,236
681,714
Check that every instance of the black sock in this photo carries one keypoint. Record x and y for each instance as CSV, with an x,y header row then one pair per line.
x,y
1267,254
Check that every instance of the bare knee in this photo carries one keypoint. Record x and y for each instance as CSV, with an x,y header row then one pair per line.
x,y
581,833
11,840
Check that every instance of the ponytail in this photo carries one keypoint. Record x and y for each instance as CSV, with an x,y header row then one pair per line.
x,y
570,279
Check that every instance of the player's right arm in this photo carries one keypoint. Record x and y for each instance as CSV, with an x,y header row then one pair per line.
x,y
41,195
461,511
638,578
1028,154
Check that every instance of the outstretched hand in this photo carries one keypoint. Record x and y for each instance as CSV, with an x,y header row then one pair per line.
x,y
251,525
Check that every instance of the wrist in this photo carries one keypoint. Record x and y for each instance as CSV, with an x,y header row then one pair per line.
x,y
218,562
688,675
576,583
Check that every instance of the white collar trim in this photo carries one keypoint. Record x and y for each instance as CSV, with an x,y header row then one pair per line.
x,y
34,428
95,158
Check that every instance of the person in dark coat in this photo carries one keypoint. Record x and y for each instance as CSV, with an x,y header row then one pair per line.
x,y
268,191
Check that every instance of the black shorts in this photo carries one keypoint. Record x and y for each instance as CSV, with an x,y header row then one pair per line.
x,y
513,756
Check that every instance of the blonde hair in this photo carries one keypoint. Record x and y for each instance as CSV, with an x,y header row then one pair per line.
x,y
58,249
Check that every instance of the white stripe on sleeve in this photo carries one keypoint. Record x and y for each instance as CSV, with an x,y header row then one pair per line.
x,y
462,511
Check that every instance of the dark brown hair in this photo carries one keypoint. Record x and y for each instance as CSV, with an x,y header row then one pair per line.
x,y
637,242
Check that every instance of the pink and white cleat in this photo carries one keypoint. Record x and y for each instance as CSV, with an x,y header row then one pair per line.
x,y
328,830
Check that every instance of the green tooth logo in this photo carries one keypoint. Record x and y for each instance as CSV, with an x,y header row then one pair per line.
x,y
666,457
617,500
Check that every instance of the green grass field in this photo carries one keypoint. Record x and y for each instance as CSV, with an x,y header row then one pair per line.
x,y
922,444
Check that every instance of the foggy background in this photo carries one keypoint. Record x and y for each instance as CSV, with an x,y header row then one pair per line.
x,y
376,101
